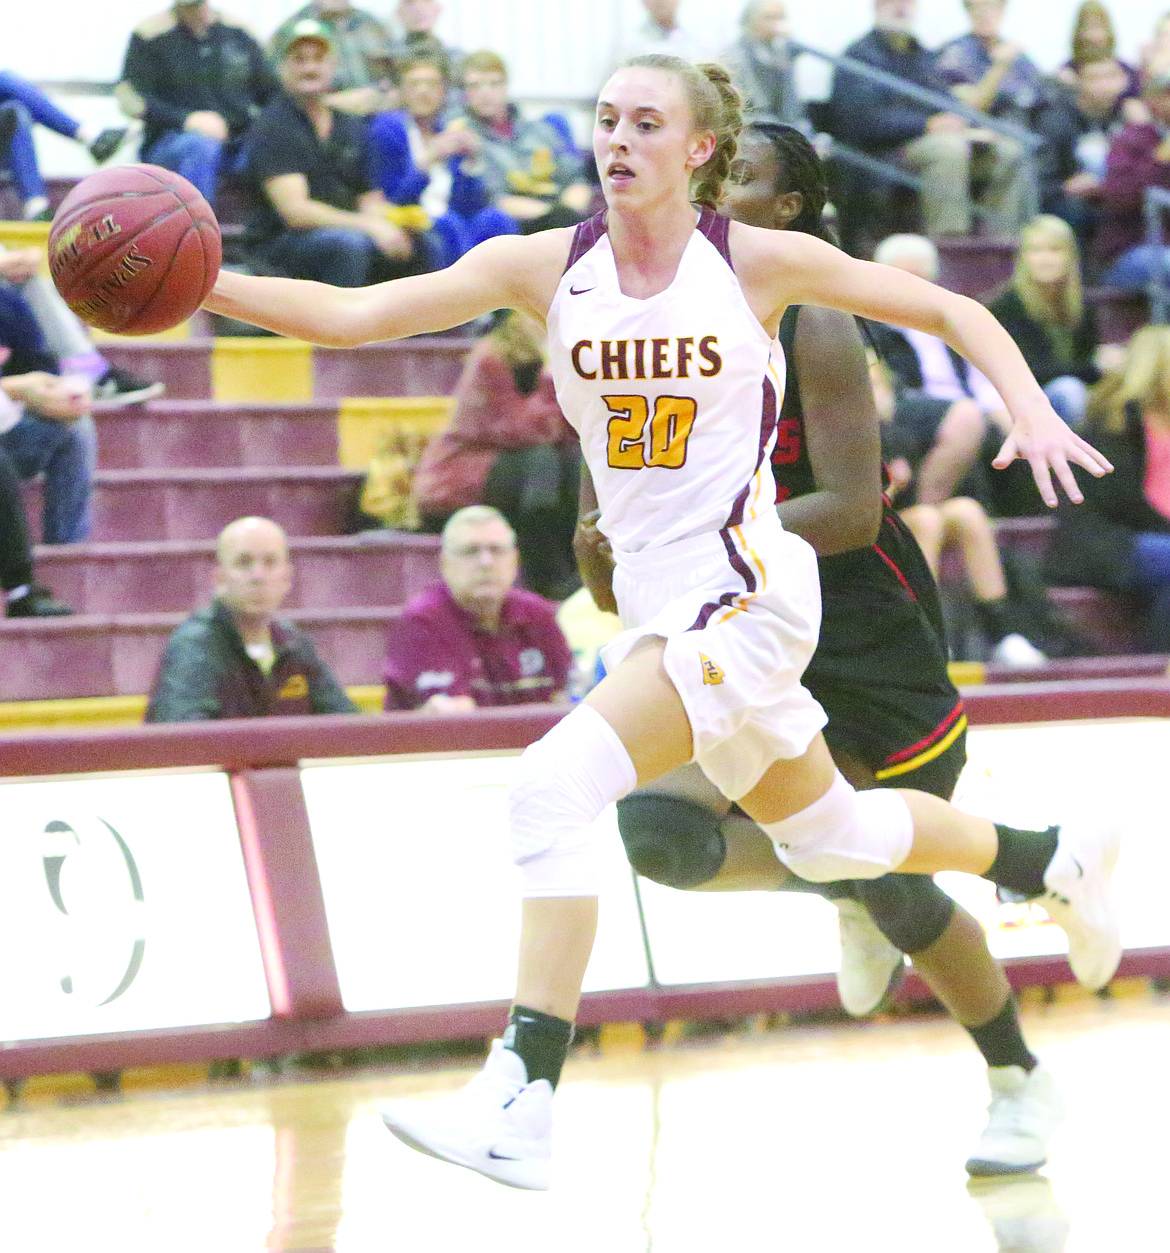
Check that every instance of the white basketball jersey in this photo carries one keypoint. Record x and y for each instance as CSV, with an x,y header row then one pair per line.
x,y
675,398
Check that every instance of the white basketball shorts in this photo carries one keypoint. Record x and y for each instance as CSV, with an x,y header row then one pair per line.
x,y
740,610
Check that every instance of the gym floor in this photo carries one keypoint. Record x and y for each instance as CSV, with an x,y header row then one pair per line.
x,y
830,1138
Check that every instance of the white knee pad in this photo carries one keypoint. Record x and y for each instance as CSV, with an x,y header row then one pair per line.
x,y
561,785
845,834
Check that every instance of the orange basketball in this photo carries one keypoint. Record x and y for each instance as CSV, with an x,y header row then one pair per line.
x,y
134,249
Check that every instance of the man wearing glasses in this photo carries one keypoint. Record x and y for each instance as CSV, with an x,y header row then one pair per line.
x,y
473,639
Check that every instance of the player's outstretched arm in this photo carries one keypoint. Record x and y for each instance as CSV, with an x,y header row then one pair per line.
x,y
801,270
501,273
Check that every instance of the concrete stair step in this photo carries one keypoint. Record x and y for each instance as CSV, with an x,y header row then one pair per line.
x,y
118,654
174,433
378,570
191,504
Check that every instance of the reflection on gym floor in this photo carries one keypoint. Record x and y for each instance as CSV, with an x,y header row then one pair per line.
x,y
824,1139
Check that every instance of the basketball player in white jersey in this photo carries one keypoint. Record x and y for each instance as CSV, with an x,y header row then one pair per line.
x,y
662,321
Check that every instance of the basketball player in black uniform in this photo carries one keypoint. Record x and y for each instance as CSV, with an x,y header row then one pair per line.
x,y
880,672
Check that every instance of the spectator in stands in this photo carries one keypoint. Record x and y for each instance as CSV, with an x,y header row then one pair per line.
x,y
237,659
1119,539
936,144
960,523
761,64
1079,127
508,445
21,105
473,640
420,163
662,32
43,333
1155,58
1139,157
23,597
315,212
364,58
418,19
944,401
988,72
1045,313
197,79
1093,37
528,170
53,436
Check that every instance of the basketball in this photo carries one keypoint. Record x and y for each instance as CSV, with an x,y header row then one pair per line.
x,y
134,249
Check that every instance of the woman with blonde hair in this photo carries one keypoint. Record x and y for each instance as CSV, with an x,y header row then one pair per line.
x,y
1044,311
1093,37
662,318
1119,539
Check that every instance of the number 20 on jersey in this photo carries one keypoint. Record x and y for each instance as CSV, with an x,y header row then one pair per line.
x,y
640,436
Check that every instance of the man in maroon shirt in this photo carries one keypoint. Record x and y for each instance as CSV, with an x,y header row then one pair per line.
x,y
474,640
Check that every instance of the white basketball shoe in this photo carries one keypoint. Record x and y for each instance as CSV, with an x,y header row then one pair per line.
x,y
499,1124
871,967
1077,898
1025,1111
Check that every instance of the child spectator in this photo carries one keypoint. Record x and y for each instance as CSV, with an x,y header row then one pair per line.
x,y
959,522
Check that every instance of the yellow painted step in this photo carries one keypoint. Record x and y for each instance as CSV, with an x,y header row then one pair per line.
x,y
26,235
367,425
261,368
118,711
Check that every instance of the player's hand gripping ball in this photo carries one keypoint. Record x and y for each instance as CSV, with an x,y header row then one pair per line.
x,y
134,249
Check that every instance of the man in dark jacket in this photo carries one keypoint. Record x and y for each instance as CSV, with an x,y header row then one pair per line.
x,y
236,659
1079,126
197,80
933,143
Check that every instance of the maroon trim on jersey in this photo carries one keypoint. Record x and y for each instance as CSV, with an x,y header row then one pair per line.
x,y
715,226
893,566
768,414
725,601
738,564
584,237
904,754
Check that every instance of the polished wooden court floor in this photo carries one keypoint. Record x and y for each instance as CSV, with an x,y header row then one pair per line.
x,y
837,1138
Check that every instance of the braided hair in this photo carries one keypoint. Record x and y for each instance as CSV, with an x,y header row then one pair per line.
x,y
801,170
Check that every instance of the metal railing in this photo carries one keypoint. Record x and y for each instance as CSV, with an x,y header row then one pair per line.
x,y
940,102
1155,204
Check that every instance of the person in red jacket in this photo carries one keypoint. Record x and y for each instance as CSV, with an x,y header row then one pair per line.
x,y
509,446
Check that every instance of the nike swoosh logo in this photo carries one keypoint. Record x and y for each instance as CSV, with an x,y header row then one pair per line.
x,y
501,1157
1080,868
574,292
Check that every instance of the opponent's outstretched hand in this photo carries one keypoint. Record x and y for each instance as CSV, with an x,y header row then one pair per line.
x,y
1050,445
